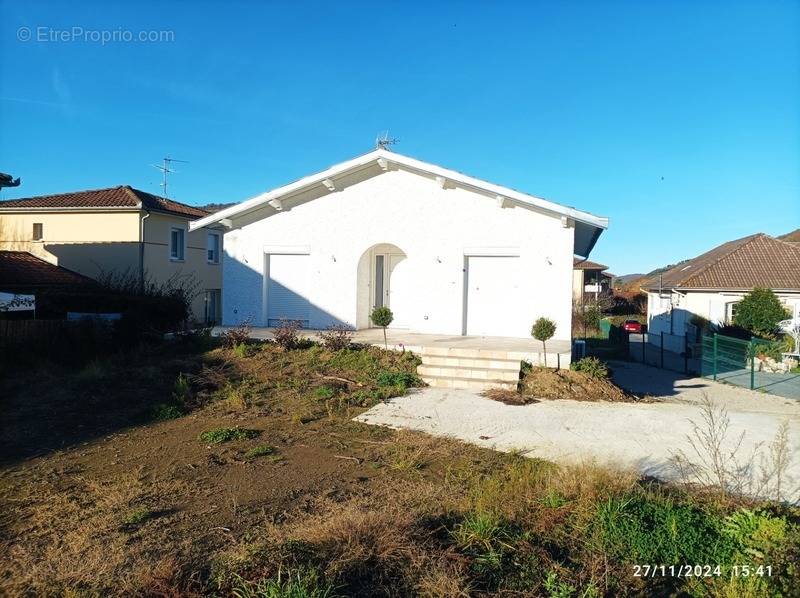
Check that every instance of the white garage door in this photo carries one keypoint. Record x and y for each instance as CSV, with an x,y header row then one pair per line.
x,y
287,288
493,296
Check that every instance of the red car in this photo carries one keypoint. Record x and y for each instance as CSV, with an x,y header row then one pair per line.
x,y
632,326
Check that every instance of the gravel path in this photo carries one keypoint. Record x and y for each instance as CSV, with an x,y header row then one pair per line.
x,y
640,435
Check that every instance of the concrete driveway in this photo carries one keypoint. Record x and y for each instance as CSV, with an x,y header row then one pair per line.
x,y
644,436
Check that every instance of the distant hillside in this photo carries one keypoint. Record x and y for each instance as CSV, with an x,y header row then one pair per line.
x,y
632,282
216,207
792,237
626,278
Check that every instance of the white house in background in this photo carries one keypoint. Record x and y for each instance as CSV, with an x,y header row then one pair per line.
x,y
711,284
447,253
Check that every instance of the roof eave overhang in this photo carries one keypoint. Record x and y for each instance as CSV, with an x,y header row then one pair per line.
x,y
654,289
18,210
598,223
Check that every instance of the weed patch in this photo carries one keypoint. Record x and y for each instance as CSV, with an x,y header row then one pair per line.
x,y
259,451
137,517
219,435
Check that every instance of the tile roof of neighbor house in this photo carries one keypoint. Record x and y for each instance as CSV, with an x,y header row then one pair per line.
x,y
123,196
755,261
20,268
580,264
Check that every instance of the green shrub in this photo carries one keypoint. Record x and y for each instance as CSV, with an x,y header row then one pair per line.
x,y
591,366
404,379
767,349
654,529
382,316
759,312
543,330
164,412
218,435
755,534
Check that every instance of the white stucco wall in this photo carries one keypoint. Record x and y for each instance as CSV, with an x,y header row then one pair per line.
x,y
435,227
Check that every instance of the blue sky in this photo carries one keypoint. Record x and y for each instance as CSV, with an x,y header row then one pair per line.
x,y
678,120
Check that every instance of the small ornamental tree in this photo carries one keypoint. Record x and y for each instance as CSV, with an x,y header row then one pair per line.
x,y
382,316
543,330
759,312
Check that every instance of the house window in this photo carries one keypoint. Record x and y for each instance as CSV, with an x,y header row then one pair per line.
x,y
177,239
38,231
730,311
213,297
213,248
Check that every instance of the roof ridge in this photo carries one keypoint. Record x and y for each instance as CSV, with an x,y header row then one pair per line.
x,y
130,191
99,189
134,190
707,267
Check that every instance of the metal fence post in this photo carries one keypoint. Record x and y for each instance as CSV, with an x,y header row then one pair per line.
x,y
662,349
715,356
685,354
752,351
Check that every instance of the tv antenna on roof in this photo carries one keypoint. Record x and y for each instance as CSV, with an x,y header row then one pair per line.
x,y
166,169
383,141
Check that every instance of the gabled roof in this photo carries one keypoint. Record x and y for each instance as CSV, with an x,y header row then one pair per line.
x,y
755,261
587,226
581,264
23,269
123,196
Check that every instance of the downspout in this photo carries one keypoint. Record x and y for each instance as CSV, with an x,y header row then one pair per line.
x,y
141,251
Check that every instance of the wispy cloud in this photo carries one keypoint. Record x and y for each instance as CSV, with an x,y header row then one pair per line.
x,y
61,91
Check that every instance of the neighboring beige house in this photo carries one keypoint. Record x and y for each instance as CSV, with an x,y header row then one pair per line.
x,y
120,229
712,284
589,280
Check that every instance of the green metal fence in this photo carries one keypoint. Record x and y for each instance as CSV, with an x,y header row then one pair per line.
x,y
729,359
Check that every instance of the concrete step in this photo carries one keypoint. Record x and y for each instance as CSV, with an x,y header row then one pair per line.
x,y
459,352
471,362
467,383
472,373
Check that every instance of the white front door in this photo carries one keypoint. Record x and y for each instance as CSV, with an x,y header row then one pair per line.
x,y
492,297
287,288
391,286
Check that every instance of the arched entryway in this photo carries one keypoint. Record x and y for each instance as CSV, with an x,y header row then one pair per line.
x,y
384,279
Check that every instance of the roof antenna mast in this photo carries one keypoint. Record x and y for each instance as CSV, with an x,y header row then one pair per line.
x,y
383,141
166,169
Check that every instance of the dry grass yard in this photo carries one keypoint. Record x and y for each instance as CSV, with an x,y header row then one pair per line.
x,y
190,469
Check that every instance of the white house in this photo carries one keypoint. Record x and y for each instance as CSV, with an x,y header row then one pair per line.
x,y
448,253
711,285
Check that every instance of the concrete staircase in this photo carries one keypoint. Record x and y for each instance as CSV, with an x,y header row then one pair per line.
x,y
473,369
